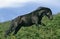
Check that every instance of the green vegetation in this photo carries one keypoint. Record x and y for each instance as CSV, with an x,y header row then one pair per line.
x,y
50,31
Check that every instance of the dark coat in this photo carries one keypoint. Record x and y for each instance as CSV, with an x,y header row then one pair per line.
x,y
26,20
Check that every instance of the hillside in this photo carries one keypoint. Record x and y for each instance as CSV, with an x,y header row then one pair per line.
x,y
50,31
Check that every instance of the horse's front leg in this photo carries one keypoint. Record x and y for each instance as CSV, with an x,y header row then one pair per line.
x,y
41,23
37,24
35,21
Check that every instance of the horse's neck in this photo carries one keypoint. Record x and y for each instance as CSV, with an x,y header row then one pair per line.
x,y
41,16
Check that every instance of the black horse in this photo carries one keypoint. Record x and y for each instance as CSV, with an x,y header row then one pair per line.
x,y
34,17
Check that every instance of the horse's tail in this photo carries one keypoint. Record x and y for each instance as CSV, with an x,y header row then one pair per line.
x,y
9,30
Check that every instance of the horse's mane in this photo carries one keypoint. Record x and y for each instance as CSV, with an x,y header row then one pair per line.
x,y
41,8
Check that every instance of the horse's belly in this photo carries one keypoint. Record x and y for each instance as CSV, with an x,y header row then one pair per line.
x,y
27,24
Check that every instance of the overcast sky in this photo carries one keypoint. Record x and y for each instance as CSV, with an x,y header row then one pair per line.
x,y
9,9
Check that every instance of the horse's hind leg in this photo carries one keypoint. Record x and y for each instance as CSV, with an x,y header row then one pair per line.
x,y
16,30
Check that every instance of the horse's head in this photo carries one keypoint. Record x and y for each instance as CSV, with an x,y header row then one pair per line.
x,y
42,11
49,15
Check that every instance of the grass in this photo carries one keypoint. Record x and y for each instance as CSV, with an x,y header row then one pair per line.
x,y
50,31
